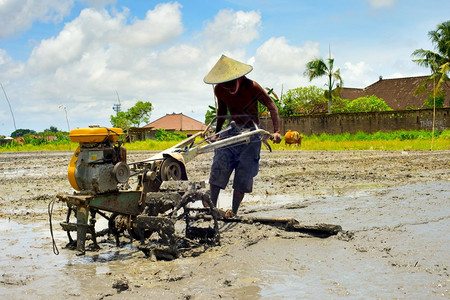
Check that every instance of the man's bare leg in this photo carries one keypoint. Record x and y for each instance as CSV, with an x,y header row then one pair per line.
x,y
215,191
237,199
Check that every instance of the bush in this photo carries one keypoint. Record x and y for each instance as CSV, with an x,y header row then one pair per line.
x,y
162,135
430,101
368,104
339,105
21,132
361,104
305,100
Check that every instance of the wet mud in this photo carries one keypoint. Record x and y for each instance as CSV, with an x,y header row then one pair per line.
x,y
393,207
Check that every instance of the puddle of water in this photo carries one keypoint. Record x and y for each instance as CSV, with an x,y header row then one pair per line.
x,y
29,267
26,252
279,285
102,270
20,173
225,200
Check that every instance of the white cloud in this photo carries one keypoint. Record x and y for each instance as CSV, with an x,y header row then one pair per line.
x,y
98,3
17,15
9,69
231,29
276,55
159,26
97,33
354,75
381,3
92,47
279,65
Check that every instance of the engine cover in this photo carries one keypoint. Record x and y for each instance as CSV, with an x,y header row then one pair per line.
x,y
99,164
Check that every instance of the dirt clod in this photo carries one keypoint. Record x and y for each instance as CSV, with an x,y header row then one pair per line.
x,y
120,285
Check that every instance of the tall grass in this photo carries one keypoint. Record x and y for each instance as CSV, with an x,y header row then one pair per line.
x,y
395,140
150,145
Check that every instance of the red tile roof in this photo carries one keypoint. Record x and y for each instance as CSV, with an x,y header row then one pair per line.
x,y
398,93
178,122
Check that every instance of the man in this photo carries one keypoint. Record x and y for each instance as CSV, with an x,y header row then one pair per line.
x,y
239,96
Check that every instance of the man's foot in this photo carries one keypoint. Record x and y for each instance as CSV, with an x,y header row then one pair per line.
x,y
226,214
229,214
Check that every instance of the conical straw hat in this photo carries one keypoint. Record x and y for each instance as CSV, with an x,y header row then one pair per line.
x,y
226,69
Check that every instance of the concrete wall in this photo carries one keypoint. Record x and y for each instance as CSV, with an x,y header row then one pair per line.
x,y
366,122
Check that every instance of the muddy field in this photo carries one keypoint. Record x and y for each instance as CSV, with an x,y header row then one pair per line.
x,y
394,209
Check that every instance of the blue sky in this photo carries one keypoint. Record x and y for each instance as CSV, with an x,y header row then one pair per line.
x,y
79,53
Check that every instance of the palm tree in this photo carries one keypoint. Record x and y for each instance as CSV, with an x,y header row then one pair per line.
x,y
438,62
318,68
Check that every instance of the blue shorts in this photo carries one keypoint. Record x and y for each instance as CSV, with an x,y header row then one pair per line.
x,y
243,159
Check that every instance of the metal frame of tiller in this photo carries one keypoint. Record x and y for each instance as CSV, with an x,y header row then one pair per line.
x,y
162,197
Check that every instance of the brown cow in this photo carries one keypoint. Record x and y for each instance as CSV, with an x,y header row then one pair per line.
x,y
293,137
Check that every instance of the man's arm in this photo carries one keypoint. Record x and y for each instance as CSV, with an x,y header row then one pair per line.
x,y
272,107
221,111
275,121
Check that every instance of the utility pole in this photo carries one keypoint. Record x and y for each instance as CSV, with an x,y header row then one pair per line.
x,y
10,109
67,118
116,107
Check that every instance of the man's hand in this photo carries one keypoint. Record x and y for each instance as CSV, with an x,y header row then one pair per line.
x,y
213,138
276,137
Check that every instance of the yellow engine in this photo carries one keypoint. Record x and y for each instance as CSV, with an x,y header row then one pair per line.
x,y
98,165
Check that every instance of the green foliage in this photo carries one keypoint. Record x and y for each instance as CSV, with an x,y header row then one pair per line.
x,y
305,100
62,138
120,120
263,111
445,134
52,129
318,68
150,145
21,132
368,104
431,101
140,113
31,141
438,62
210,114
137,114
339,105
162,135
287,107
361,104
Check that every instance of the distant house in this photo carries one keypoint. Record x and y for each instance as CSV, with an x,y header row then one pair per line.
x,y
398,93
170,122
6,141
